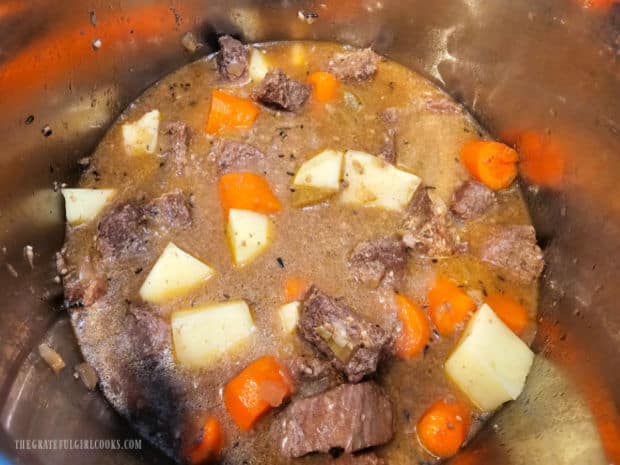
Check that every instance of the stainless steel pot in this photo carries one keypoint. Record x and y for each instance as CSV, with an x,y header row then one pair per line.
x,y
548,66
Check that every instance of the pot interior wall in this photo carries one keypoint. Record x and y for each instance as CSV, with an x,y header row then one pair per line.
x,y
544,66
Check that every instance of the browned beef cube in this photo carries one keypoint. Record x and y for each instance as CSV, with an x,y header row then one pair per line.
x,y
232,60
350,416
354,345
279,91
427,230
371,260
471,200
148,333
122,232
358,65
171,210
513,248
231,154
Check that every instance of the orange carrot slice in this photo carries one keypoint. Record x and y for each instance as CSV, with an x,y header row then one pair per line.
x,y
295,288
492,163
324,86
210,444
262,385
247,191
230,112
449,306
416,328
509,311
443,428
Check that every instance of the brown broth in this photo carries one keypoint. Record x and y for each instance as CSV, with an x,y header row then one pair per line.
x,y
313,242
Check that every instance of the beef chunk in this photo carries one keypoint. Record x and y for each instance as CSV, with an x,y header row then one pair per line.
x,y
122,232
350,416
232,61
362,459
358,65
513,248
177,138
387,151
172,209
471,200
148,334
354,345
228,153
279,91
371,260
427,230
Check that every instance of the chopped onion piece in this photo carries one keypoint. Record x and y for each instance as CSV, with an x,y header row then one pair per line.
x,y
88,375
51,357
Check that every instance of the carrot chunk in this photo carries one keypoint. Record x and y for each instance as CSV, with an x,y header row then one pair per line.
x,y
492,163
261,385
247,191
443,428
230,112
210,444
295,288
324,86
416,329
509,311
449,306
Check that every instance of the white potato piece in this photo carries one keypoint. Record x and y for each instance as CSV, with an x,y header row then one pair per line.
x,y
175,273
83,205
258,65
318,178
299,55
203,334
140,137
249,235
490,363
289,316
371,182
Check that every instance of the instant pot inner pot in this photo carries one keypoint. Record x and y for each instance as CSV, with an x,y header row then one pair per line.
x,y
546,67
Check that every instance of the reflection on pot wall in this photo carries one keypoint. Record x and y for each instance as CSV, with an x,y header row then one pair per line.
x,y
542,75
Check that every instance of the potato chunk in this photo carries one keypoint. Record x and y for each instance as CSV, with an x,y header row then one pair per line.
x,y
318,178
175,273
83,205
490,363
258,65
201,335
289,316
140,137
371,182
249,235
